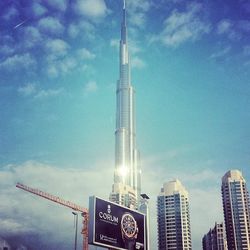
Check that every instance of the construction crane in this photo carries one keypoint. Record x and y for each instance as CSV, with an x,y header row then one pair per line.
x,y
69,204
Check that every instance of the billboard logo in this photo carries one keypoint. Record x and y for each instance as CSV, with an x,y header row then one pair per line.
x,y
108,217
109,209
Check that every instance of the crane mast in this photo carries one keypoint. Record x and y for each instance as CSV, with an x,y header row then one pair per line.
x,y
69,204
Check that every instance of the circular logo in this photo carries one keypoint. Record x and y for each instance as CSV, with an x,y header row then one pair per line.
x,y
129,226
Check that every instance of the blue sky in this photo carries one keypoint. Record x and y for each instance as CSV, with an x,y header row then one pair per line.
x,y
59,67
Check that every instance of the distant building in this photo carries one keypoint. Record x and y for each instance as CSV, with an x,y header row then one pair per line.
x,y
236,210
4,245
123,195
215,239
173,217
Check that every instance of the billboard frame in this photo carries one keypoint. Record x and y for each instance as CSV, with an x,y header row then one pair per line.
x,y
92,224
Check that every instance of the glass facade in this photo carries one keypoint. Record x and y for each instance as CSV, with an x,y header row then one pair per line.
x,y
215,239
173,219
236,210
127,170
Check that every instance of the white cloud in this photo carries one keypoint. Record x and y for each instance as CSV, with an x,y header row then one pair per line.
x,y
115,43
10,13
202,218
136,62
246,50
56,47
90,87
12,226
181,27
202,183
38,10
33,90
87,69
142,5
22,247
6,50
85,54
203,187
52,70
59,63
7,39
166,168
62,66
134,46
51,25
31,37
244,25
161,157
67,64
18,62
221,53
202,177
138,19
60,5
227,27
83,29
93,9
28,89
73,30
247,64
137,11
48,93
23,213
224,26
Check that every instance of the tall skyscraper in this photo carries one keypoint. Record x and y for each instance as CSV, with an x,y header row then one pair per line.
x,y
173,217
126,189
215,239
236,210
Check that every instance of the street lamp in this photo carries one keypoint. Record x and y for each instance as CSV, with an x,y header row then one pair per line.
x,y
144,208
76,224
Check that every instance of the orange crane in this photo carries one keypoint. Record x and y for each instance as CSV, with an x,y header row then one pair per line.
x,y
69,204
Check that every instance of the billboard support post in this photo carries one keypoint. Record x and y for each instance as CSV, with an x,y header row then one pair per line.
x,y
144,208
76,225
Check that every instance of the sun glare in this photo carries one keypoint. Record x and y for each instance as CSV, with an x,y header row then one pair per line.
x,y
123,171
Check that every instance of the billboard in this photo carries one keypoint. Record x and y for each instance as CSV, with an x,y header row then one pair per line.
x,y
115,226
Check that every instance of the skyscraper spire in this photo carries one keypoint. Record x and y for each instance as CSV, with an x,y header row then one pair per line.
x,y
124,13
123,42
126,189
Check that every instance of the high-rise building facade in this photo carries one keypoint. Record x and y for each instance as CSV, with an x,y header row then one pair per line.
x,y
236,210
4,245
215,239
126,189
173,217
